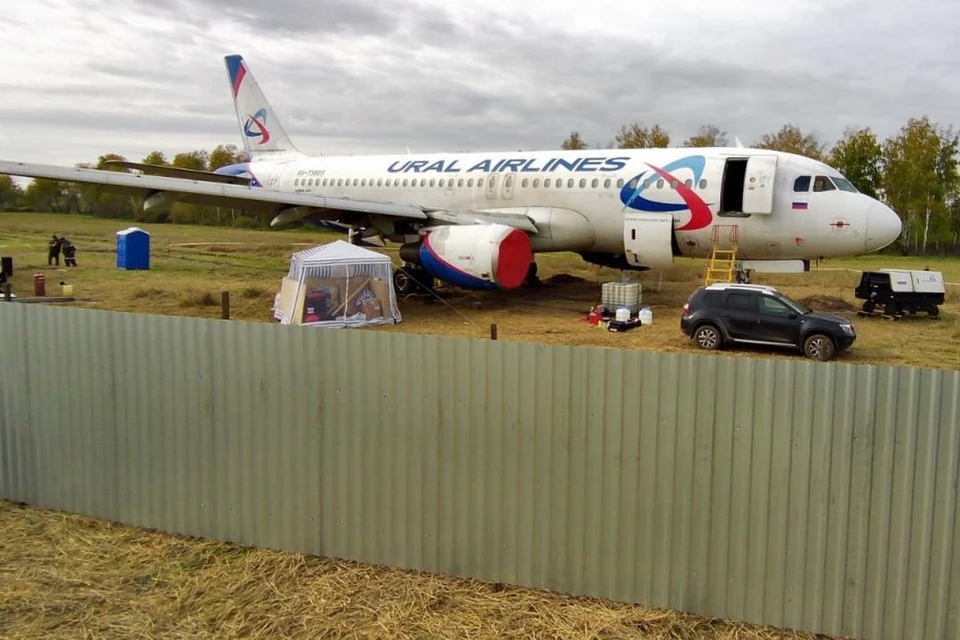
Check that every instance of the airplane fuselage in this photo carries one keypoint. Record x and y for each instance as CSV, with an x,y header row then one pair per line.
x,y
804,210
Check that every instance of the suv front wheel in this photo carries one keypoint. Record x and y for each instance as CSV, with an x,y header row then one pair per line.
x,y
708,336
819,347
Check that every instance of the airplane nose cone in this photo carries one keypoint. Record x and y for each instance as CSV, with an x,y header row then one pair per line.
x,y
883,226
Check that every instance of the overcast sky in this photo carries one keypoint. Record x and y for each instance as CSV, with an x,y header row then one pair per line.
x,y
86,77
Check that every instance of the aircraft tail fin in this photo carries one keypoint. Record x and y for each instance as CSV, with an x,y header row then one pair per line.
x,y
263,135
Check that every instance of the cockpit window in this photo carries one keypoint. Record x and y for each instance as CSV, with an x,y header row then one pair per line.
x,y
822,183
845,185
802,183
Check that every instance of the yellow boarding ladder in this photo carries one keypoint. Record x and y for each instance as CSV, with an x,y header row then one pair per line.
x,y
723,260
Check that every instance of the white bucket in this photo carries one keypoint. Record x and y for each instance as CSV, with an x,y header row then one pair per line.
x,y
623,314
646,316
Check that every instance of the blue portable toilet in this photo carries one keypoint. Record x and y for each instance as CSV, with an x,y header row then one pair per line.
x,y
133,249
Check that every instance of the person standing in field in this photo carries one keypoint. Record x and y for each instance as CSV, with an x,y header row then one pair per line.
x,y
69,253
53,255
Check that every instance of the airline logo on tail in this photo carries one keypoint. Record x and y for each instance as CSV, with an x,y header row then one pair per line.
x,y
700,215
256,126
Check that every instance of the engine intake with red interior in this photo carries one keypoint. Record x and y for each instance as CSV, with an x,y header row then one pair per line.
x,y
473,256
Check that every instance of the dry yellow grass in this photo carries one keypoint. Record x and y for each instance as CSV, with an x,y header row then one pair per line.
x,y
67,576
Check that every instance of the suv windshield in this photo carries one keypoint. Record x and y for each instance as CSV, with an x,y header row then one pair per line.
x,y
790,302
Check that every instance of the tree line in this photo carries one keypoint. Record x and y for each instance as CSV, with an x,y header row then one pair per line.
x,y
915,171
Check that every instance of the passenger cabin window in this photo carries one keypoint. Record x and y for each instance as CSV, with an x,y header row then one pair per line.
x,y
802,183
822,183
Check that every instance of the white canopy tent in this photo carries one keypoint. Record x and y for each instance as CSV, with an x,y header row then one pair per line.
x,y
337,285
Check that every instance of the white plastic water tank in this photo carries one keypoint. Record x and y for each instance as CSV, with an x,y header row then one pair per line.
x,y
621,294
606,294
646,316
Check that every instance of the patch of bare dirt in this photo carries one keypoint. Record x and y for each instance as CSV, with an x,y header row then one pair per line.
x,y
828,303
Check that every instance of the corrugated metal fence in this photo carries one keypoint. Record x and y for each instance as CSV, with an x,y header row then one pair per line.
x,y
814,496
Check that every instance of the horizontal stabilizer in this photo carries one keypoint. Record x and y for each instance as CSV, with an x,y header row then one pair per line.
x,y
177,172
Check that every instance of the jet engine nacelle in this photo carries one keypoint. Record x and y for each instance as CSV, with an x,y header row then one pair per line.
x,y
491,256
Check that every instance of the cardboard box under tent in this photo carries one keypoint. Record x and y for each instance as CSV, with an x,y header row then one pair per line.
x,y
337,285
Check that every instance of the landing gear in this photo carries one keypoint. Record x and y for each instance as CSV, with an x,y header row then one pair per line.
x,y
531,280
411,279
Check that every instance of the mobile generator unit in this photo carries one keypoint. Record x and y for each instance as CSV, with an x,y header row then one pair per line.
x,y
899,292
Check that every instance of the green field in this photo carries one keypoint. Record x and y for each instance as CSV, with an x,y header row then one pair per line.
x,y
192,265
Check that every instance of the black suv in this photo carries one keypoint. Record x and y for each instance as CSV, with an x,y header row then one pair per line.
x,y
761,315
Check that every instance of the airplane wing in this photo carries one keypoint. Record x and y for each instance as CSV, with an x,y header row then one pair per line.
x,y
287,207
210,193
177,172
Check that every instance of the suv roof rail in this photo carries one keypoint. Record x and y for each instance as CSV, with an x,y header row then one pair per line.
x,y
738,285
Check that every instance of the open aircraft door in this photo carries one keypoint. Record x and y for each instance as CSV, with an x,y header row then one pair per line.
x,y
758,184
648,239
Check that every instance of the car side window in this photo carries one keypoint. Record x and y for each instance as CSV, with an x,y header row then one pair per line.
x,y
711,299
740,301
773,307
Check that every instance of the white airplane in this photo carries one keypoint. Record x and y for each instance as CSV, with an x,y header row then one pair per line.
x,y
476,220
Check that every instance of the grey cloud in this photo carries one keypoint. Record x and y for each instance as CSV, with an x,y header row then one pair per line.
x,y
98,122
306,16
544,82
293,17
351,75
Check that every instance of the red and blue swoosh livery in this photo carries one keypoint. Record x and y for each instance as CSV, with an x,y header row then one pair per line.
x,y
700,214
256,124
242,170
